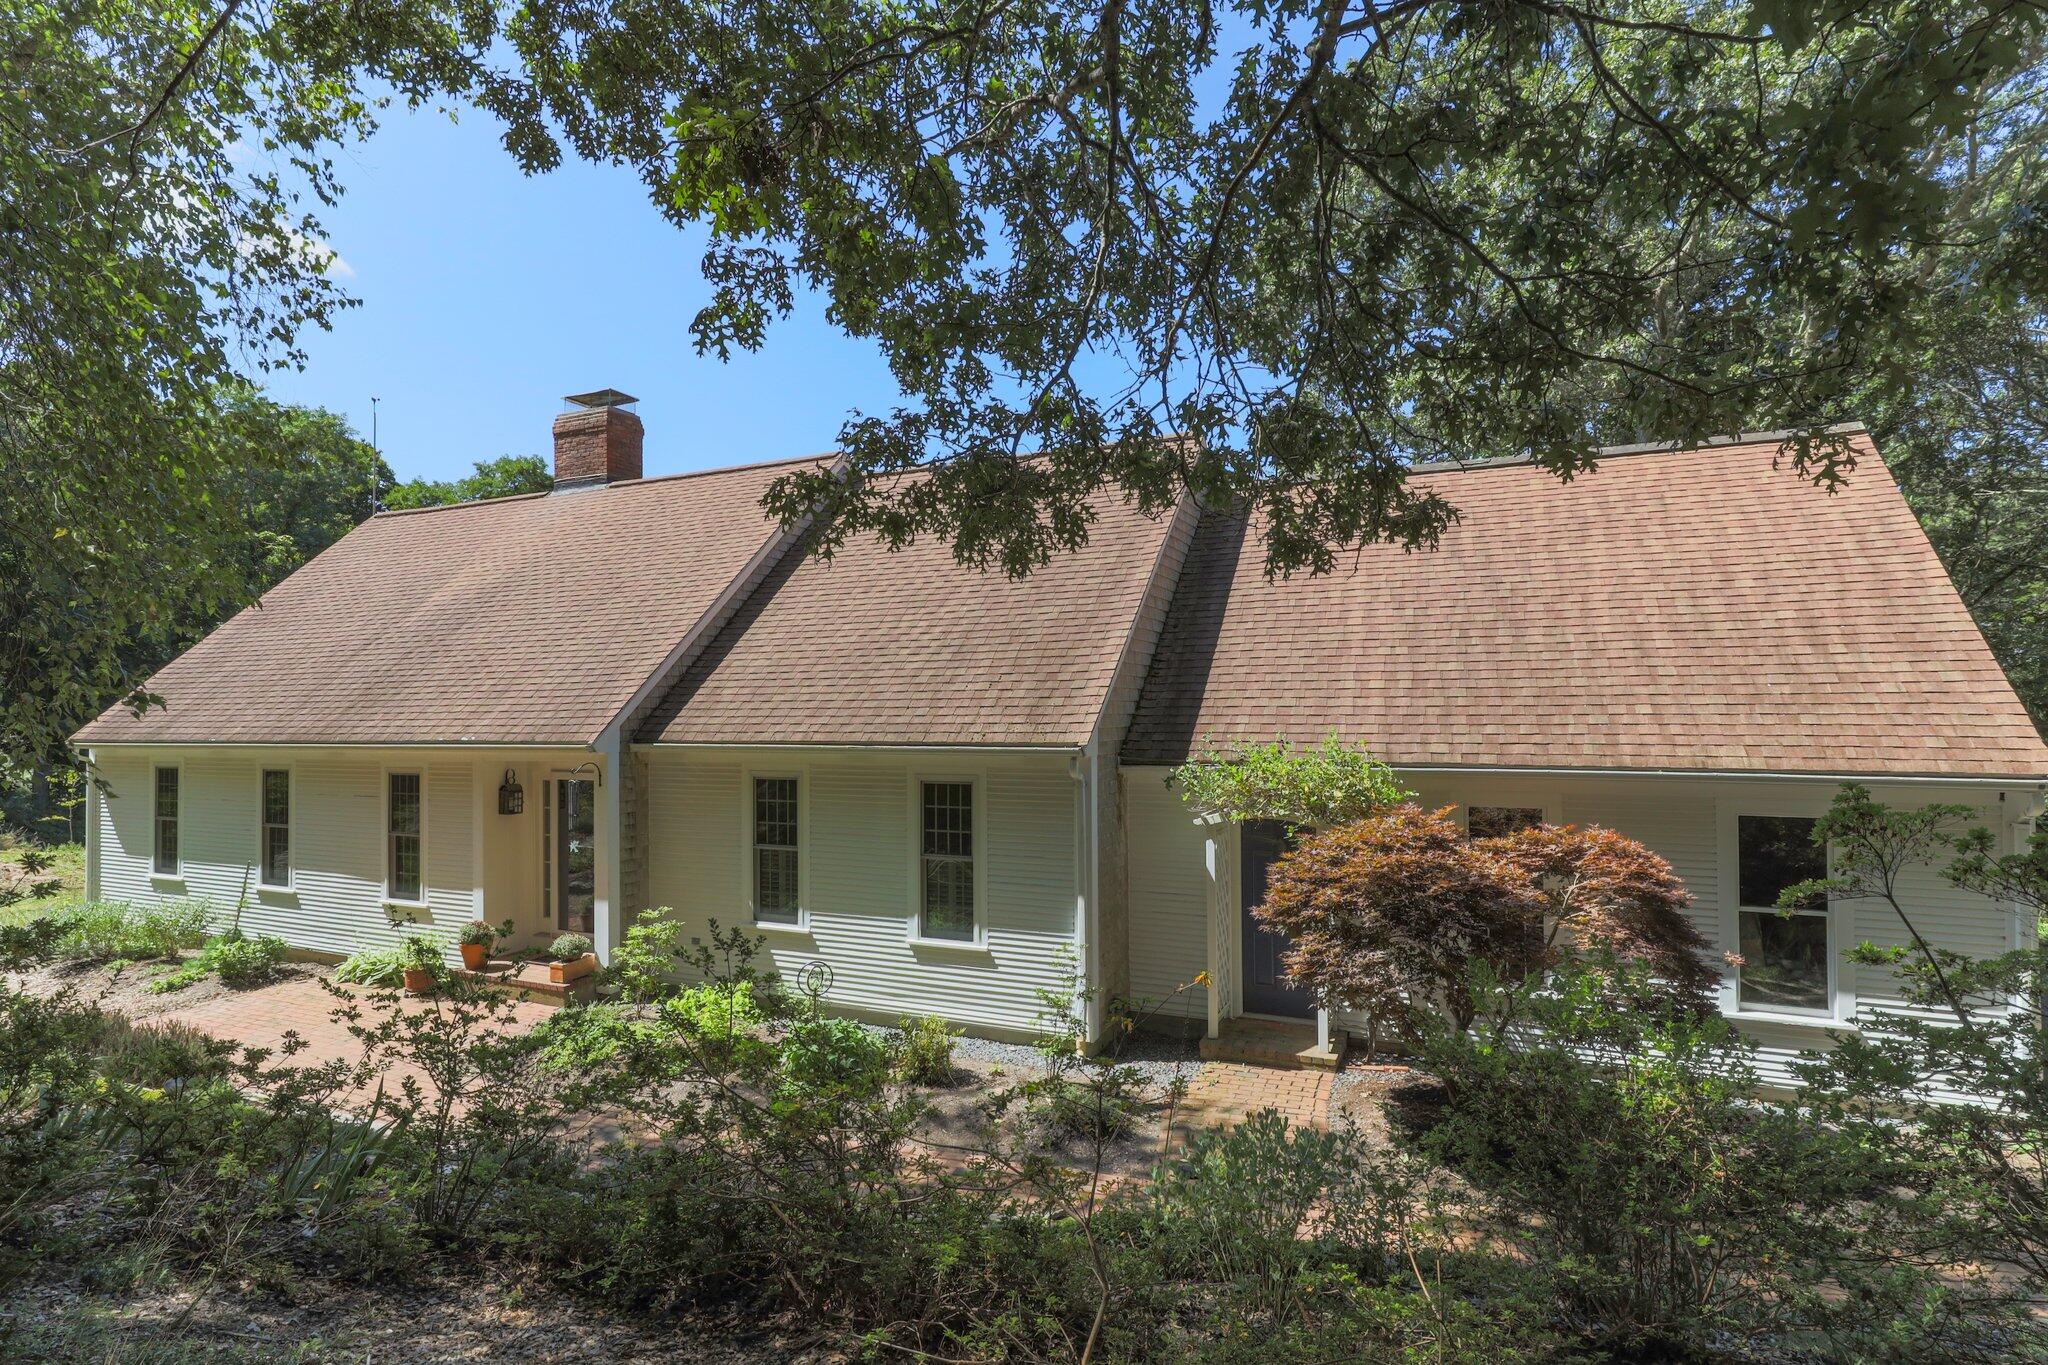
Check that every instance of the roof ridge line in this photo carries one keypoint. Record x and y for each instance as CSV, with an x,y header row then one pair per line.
x,y
452,506
820,458
1740,438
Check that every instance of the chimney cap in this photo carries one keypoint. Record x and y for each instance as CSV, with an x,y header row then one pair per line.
x,y
601,398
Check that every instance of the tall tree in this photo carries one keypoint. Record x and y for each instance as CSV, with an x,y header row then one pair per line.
x,y
1328,239
499,478
157,165
1968,440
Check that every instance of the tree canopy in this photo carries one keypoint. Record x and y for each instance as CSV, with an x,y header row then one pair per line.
x,y
159,168
1325,240
502,477
1393,913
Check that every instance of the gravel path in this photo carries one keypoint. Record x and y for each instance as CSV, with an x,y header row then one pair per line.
x,y
1155,1056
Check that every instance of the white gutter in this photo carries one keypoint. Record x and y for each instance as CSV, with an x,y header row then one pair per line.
x,y
1718,774
342,744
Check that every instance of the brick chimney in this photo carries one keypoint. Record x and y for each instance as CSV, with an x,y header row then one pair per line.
x,y
597,441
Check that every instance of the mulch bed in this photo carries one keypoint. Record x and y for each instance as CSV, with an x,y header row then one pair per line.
x,y
459,1312
125,989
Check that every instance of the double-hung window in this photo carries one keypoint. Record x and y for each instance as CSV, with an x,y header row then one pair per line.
x,y
405,844
275,856
1785,957
776,900
164,855
946,861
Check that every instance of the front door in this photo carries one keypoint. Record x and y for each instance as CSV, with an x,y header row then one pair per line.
x,y
569,854
1266,987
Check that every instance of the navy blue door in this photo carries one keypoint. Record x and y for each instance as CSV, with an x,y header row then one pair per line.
x,y
1266,987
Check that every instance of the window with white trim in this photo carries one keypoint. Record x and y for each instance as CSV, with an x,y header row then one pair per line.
x,y
274,865
947,861
1785,956
405,845
164,851
776,899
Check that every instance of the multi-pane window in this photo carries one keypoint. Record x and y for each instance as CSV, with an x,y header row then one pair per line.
x,y
1784,956
1492,822
405,855
775,869
165,858
276,853
948,860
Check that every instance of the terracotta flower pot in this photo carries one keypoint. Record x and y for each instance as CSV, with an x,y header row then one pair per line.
x,y
475,955
561,973
419,980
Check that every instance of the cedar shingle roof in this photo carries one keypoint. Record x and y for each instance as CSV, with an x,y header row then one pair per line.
x,y
519,620
1694,610
908,647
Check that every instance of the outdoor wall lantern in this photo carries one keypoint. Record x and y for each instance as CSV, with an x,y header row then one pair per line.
x,y
511,796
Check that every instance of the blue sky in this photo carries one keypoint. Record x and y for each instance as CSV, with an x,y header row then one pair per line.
x,y
487,295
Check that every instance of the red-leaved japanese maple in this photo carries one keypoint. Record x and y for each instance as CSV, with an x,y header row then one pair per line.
x,y
1603,892
1389,913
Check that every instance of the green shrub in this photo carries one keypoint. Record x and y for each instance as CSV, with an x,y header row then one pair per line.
x,y
372,967
237,961
1263,1206
1099,1104
156,1054
648,963
821,1052
569,947
924,1051
584,1039
115,930
1618,1144
714,1010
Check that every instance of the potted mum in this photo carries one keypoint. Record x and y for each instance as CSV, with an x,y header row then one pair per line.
x,y
478,938
573,958
420,960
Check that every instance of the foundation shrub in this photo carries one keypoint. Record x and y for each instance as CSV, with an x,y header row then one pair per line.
x,y
117,931
924,1051
1619,1147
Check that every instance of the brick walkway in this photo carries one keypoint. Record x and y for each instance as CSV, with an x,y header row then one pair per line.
x,y
261,1018
1224,1094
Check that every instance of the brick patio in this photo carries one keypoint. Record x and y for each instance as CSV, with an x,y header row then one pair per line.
x,y
1224,1094
261,1018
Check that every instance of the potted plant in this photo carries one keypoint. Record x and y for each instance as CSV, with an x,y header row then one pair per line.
x,y
478,938
420,960
573,958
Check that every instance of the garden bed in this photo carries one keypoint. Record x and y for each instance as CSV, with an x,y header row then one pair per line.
x,y
124,988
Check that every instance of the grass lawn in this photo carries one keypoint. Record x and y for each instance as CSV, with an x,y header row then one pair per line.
x,y
68,868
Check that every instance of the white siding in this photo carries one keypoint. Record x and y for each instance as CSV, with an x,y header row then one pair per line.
x,y
1168,894
857,878
336,901
1689,822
